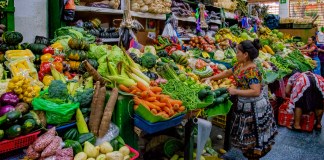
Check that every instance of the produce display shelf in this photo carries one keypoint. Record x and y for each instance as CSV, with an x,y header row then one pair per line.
x,y
148,15
215,21
107,40
186,19
185,39
98,10
229,15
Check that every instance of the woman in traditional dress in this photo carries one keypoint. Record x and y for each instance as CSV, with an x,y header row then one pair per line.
x,y
306,92
254,128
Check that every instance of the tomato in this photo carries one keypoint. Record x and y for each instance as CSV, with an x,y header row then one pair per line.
x,y
49,50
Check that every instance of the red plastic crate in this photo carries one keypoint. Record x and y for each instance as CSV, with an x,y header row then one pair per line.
x,y
18,142
307,122
285,118
132,150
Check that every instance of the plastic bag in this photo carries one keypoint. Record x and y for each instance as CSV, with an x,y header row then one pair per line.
x,y
112,133
55,113
169,31
22,67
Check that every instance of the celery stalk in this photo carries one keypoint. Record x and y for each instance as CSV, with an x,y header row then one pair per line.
x,y
111,69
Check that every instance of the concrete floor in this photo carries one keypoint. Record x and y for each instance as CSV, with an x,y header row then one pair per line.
x,y
291,145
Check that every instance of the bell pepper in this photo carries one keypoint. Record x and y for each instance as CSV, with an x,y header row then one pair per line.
x,y
41,76
46,57
58,66
57,45
49,50
58,59
47,80
45,67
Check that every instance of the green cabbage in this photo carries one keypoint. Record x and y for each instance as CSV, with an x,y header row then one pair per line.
x,y
97,51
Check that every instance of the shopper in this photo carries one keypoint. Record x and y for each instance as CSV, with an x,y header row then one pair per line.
x,y
306,95
311,50
320,45
253,127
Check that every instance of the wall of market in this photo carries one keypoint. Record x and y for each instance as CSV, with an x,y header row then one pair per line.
x,y
31,18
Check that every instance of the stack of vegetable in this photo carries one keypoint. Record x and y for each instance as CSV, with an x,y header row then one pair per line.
x,y
11,40
181,9
205,43
151,6
95,29
152,99
16,118
104,151
48,146
25,88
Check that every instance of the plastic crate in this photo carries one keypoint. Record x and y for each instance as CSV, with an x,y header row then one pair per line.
x,y
307,122
158,126
285,26
132,150
220,121
302,26
18,142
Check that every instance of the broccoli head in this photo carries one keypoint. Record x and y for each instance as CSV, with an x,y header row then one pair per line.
x,y
148,60
58,90
84,97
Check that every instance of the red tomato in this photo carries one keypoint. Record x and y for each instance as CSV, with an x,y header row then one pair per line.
x,y
48,50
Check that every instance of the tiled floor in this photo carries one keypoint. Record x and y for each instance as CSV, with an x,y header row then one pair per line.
x,y
291,145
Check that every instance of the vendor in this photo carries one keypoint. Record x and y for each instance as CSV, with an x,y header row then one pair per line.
x,y
253,127
311,50
306,95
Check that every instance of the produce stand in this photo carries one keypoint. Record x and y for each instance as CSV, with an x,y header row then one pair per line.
x,y
124,65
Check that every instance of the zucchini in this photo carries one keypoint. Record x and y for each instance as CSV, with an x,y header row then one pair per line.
x,y
87,137
12,117
3,119
71,134
76,146
13,131
218,100
225,96
1,134
32,115
28,125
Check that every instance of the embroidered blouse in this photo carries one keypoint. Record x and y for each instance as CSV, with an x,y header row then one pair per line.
x,y
247,77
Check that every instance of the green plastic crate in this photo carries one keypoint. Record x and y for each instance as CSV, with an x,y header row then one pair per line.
x,y
122,117
8,14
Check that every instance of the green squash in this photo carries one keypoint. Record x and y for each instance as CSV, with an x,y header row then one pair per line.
x,y
12,38
77,55
36,48
93,63
78,44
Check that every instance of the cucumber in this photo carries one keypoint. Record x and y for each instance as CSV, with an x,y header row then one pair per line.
x,y
28,126
3,119
1,134
217,93
202,94
13,131
225,96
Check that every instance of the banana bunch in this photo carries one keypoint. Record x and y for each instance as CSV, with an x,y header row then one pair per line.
x,y
224,31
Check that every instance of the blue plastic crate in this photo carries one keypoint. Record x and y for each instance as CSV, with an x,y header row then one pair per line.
x,y
158,126
62,129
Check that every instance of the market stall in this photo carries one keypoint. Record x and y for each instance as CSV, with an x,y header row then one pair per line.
x,y
131,65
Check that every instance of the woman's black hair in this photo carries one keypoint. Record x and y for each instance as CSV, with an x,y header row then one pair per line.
x,y
251,47
313,38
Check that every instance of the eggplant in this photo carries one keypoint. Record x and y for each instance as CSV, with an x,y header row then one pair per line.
x,y
151,75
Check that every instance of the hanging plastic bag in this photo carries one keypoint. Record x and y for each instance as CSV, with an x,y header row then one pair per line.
x,y
55,113
112,133
69,10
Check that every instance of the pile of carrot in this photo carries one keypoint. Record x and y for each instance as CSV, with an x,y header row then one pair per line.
x,y
153,100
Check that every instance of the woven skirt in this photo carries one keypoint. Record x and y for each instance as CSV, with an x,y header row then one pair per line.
x,y
254,128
